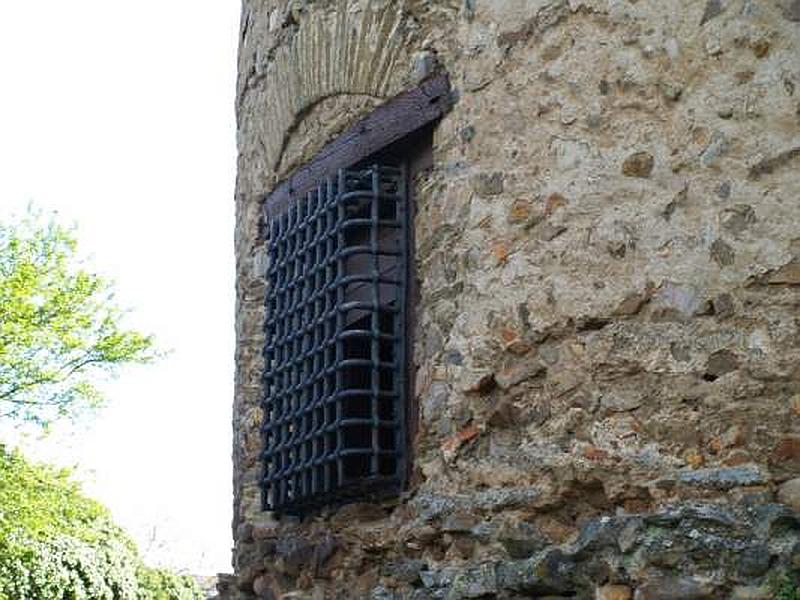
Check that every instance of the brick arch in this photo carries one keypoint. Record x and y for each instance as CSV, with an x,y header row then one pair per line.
x,y
355,48
317,124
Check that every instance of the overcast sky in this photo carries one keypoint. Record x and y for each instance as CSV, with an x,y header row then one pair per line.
x,y
119,115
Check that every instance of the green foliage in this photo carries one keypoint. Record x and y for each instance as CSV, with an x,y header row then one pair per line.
x,y
57,544
787,590
784,585
41,500
160,584
59,325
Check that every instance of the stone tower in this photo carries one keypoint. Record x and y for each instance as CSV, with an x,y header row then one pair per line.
x,y
604,356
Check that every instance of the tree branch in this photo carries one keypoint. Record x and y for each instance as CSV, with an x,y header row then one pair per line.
x,y
7,396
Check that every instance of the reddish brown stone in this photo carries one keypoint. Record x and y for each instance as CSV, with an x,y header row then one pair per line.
x,y
613,592
264,531
508,335
501,252
693,458
519,212
484,385
788,449
553,203
519,347
761,48
637,505
513,342
470,432
594,453
737,457
639,164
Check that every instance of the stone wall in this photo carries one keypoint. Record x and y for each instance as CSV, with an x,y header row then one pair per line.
x,y
608,254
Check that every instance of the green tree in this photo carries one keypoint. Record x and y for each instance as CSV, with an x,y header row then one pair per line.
x,y
56,544
59,325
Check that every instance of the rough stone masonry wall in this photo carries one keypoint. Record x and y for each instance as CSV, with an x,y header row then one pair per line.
x,y
608,254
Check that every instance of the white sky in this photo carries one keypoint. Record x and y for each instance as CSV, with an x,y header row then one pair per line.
x,y
119,115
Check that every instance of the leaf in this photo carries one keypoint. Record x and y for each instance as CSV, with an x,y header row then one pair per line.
x,y
57,543
60,329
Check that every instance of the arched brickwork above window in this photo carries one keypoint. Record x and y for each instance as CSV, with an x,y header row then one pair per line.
x,y
358,49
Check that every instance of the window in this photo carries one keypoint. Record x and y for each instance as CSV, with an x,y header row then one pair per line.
x,y
336,382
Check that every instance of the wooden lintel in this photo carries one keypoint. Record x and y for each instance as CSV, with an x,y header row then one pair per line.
x,y
388,123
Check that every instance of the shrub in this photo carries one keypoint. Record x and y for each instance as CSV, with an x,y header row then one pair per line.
x,y
784,584
787,590
160,584
55,543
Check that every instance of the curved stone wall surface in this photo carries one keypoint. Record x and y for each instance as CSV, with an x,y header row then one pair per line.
x,y
608,254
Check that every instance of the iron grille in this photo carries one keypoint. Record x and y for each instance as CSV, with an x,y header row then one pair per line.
x,y
335,351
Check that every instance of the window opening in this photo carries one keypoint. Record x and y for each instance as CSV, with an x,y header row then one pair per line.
x,y
336,385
